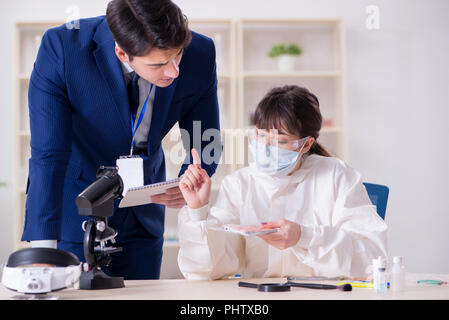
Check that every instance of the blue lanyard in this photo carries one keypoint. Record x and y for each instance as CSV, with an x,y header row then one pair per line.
x,y
139,120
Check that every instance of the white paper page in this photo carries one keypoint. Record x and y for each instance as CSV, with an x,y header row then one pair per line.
x,y
131,171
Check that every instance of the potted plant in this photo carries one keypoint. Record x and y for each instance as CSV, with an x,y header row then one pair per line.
x,y
286,55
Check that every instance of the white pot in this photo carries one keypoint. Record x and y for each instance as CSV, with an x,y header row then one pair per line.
x,y
286,63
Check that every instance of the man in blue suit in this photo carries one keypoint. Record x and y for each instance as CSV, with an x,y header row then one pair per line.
x,y
141,67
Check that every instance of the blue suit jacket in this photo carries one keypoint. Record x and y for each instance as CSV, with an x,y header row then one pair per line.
x,y
80,120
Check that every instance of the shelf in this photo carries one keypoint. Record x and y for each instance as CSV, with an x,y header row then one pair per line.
x,y
24,76
32,25
291,21
24,133
331,129
222,33
224,76
171,244
22,190
22,245
294,74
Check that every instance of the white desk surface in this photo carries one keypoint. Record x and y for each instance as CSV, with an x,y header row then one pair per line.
x,y
180,289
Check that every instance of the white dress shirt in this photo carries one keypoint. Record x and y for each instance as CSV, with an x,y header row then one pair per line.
x,y
141,137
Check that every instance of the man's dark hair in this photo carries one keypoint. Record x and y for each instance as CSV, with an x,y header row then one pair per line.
x,y
138,26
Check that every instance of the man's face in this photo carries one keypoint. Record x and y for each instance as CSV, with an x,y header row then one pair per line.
x,y
160,67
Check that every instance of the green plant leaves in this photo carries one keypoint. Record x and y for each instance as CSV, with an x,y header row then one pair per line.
x,y
280,49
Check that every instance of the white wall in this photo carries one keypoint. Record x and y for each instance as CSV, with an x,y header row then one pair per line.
x,y
398,93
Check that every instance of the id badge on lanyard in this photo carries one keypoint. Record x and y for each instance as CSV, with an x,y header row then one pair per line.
x,y
130,167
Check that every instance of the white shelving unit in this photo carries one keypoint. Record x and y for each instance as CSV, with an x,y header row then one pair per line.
x,y
321,68
245,73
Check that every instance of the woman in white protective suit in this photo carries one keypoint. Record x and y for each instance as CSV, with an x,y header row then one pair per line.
x,y
326,223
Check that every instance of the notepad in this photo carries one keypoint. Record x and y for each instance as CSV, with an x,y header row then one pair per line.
x,y
138,196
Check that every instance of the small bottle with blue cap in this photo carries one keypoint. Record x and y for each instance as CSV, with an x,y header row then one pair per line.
x,y
379,276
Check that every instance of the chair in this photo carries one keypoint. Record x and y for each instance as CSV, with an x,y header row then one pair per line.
x,y
378,195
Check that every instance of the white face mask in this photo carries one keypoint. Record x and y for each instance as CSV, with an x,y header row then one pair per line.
x,y
271,159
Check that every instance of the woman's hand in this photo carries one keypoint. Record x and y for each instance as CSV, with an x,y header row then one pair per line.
x,y
287,236
195,184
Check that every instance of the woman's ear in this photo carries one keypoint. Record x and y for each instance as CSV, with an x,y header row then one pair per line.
x,y
306,149
308,145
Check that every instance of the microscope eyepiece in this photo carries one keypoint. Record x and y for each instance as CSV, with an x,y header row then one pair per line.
x,y
107,187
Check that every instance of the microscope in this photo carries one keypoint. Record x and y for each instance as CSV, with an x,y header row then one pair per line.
x,y
97,201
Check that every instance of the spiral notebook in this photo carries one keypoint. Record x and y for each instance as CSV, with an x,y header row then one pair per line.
x,y
138,196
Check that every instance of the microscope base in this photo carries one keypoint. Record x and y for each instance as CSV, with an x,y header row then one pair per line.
x,y
98,280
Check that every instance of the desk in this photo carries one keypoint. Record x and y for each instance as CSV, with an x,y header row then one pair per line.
x,y
229,290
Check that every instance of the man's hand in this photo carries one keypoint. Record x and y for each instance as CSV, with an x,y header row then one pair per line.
x,y
287,236
172,198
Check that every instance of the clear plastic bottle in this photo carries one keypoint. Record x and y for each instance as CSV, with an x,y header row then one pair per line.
x,y
397,274
375,273
380,277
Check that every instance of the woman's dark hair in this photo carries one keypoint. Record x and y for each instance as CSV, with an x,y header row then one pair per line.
x,y
141,25
293,110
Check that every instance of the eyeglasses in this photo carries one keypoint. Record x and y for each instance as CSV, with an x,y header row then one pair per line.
x,y
274,138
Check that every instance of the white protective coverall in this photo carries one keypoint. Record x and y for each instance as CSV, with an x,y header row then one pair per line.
x,y
341,231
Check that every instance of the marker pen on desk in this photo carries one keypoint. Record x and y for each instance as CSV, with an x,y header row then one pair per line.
x,y
360,283
357,284
435,282
315,278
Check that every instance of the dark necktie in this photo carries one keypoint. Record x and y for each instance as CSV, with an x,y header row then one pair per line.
x,y
133,94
